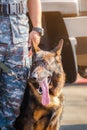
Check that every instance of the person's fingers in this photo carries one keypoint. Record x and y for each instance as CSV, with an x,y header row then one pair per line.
x,y
34,37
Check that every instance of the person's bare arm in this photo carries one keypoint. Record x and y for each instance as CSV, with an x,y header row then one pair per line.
x,y
35,14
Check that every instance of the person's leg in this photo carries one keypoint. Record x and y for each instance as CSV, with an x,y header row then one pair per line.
x,y
11,97
12,88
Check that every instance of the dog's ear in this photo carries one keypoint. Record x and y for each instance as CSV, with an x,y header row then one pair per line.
x,y
36,47
58,48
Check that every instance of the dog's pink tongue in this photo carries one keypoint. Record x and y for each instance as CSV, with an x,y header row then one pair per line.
x,y
45,92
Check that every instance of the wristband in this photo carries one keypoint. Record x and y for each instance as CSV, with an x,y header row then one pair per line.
x,y
39,30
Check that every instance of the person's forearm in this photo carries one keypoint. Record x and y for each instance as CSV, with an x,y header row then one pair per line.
x,y
35,12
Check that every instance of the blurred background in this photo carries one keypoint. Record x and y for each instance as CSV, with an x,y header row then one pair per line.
x,y
67,19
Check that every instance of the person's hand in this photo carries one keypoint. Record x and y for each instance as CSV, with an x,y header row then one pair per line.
x,y
34,37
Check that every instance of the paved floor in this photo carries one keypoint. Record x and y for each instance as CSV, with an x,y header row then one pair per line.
x,y
75,110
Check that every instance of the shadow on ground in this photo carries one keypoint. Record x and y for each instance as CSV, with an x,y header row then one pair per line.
x,y
74,127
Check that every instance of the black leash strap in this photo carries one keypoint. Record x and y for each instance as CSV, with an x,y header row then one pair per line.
x,y
4,67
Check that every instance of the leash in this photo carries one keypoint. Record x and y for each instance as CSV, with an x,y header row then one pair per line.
x,y
7,70
4,67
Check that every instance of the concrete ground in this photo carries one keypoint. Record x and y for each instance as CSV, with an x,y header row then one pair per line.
x,y
75,108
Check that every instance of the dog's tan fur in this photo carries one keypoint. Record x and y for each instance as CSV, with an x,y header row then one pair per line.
x,y
35,115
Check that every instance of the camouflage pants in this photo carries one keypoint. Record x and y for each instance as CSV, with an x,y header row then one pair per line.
x,y
12,88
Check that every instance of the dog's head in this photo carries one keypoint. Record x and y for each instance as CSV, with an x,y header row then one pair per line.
x,y
47,74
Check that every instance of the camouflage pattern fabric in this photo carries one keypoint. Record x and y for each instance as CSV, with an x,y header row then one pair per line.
x,y
14,33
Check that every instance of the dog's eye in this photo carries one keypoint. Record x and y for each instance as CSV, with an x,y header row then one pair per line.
x,y
34,78
49,80
34,82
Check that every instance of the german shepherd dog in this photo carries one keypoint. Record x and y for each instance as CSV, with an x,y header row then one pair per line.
x,y
43,101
